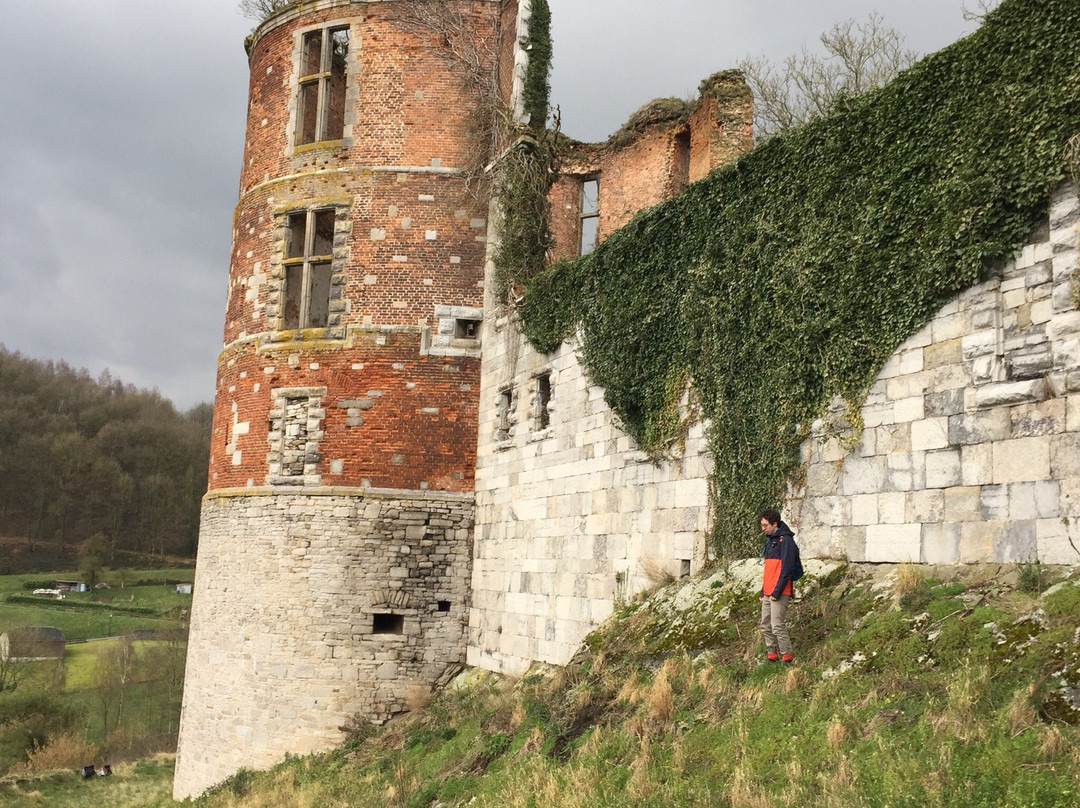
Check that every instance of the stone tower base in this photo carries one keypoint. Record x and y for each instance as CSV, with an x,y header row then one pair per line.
x,y
312,608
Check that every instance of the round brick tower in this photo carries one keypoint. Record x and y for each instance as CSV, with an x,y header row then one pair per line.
x,y
334,551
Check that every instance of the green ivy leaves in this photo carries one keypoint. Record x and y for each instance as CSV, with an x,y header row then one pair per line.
x,y
792,274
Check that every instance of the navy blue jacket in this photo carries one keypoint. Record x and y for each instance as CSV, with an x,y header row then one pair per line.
x,y
780,557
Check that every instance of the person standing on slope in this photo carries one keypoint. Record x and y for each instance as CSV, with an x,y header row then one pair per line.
x,y
782,567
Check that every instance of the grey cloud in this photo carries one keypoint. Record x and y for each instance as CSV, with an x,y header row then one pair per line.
x,y
121,140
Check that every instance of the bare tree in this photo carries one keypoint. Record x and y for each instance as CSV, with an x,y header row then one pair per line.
x,y
261,9
858,57
114,672
978,10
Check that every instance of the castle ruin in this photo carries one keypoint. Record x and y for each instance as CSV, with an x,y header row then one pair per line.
x,y
383,508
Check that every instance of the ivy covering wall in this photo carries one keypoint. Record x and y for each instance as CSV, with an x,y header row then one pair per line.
x,y
527,170
792,274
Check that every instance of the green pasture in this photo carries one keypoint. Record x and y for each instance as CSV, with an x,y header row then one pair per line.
x,y
80,623
143,784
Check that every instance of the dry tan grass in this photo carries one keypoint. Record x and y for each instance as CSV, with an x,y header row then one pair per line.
x,y
796,679
908,576
417,697
745,790
838,784
518,714
661,703
640,784
1054,743
633,691
836,733
656,571
1021,713
66,752
958,719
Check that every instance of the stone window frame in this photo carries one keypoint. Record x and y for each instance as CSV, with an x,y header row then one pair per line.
x,y
588,213
276,435
326,131
277,289
446,340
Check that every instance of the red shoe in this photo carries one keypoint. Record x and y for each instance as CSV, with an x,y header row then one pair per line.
x,y
788,659
772,657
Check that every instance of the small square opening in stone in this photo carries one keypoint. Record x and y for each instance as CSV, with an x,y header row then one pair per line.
x,y
684,568
443,606
466,328
385,623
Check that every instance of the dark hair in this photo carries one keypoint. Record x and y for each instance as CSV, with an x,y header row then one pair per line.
x,y
770,515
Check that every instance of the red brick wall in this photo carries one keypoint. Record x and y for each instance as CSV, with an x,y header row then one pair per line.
x,y
632,178
420,427
414,241
410,106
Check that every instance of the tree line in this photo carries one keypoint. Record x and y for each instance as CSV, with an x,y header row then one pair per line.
x,y
84,458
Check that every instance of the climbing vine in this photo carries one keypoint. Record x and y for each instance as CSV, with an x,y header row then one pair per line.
x,y
790,276
526,170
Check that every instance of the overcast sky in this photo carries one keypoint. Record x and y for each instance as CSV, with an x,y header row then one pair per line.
x,y
121,134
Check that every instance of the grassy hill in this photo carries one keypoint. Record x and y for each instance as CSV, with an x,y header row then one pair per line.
x,y
909,690
953,686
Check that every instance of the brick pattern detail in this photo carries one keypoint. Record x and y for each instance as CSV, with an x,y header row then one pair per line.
x,y
390,417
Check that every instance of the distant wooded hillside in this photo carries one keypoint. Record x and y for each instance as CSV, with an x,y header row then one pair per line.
x,y
83,457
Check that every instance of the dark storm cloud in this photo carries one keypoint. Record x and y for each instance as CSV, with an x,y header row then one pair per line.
x,y
121,137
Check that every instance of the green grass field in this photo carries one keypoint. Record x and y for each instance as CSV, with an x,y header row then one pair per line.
x,y
143,784
82,703
79,624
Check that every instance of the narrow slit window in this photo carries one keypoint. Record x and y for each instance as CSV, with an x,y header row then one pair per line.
x,y
504,411
590,215
309,257
385,623
324,56
543,401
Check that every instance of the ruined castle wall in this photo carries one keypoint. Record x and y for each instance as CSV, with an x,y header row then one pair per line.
x,y
637,176
970,446
286,651
571,519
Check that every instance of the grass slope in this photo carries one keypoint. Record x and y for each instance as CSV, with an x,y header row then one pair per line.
x,y
909,691
145,784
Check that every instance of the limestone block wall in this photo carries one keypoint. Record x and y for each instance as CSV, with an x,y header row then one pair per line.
x,y
970,446
312,608
570,518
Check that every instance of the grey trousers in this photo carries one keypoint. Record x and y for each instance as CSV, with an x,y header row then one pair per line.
x,y
774,625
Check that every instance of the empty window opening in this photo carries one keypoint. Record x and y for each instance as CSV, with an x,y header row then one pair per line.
x,y
590,215
542,414
467,329
385,623
684,568
309,255
681,168
443,606
504,410
321,104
